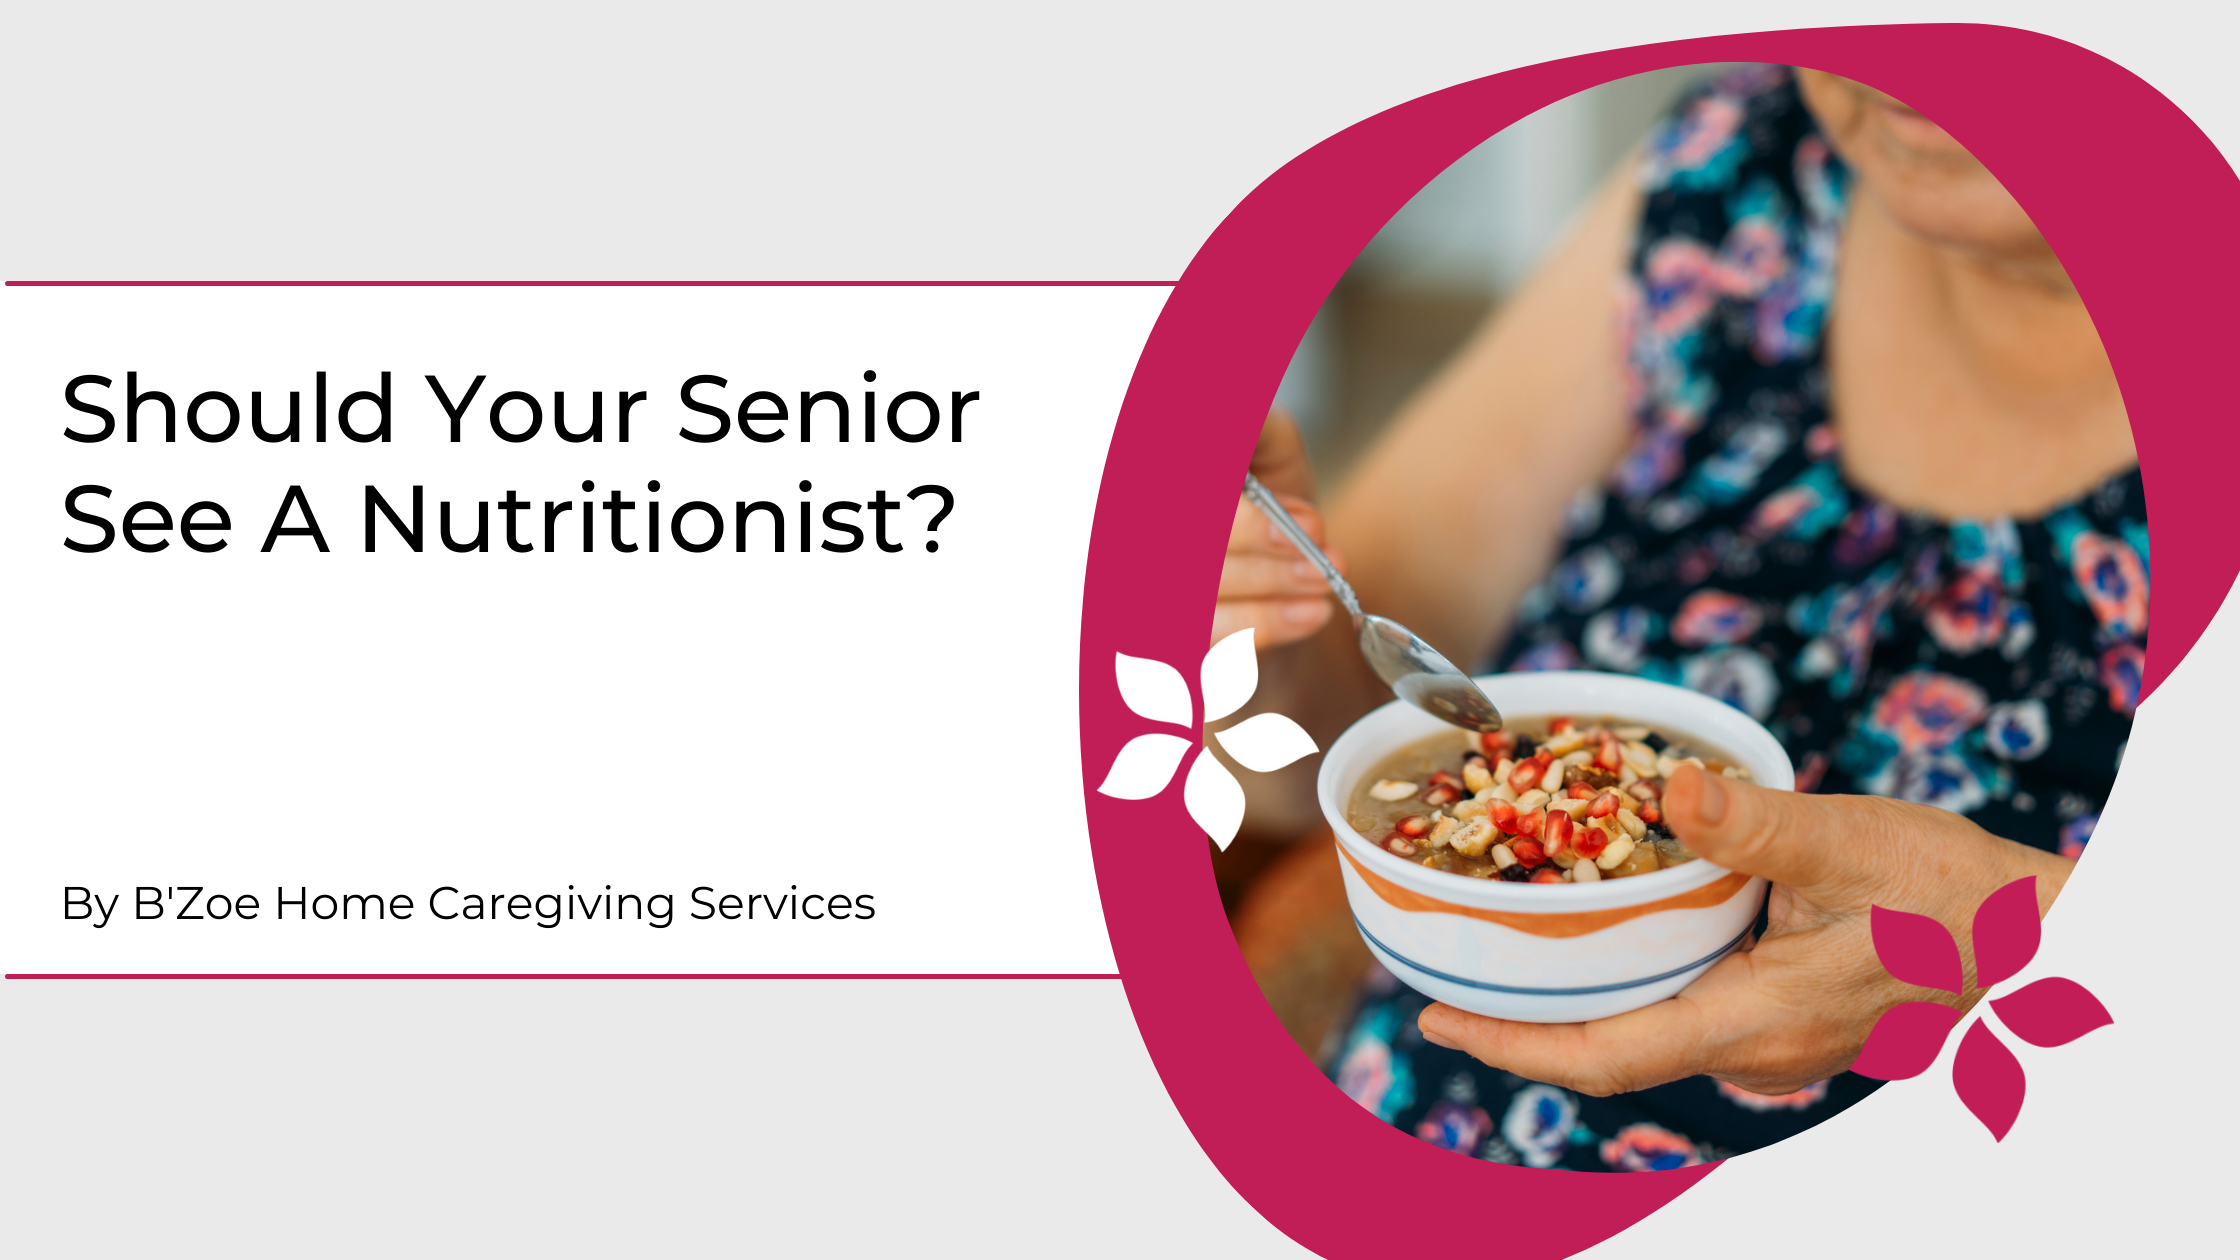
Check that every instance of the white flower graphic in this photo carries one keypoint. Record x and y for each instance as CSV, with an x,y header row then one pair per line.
x,y
1226,678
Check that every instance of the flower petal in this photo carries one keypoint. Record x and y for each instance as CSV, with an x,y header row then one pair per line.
x,y
1214,799
1153,689
1916,949
2051,1012
1144,767
1988,1079
2006,931
1267,741
1229,675
1905,1041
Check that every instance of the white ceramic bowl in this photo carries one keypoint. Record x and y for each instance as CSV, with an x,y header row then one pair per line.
x,y
1549,953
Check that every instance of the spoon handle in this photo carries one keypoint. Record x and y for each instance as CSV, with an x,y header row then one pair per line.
x,y
1265,500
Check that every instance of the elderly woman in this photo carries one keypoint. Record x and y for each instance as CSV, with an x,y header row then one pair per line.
x,y
1845,452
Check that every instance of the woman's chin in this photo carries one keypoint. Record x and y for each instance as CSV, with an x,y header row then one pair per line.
x,y
1911,130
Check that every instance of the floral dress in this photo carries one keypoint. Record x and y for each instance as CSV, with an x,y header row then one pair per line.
x,y
1989,667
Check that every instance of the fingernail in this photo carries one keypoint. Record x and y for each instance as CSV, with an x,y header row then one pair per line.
x,y
1437,1040
1302,613
1712,803
1303,571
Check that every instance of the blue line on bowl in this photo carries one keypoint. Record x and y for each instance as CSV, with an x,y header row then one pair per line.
x,y
1706,960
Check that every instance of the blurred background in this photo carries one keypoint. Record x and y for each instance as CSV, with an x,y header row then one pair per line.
x,y
1421,287
1447,259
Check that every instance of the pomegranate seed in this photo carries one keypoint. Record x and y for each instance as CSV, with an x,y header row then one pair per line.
x,y
1610,756
1580,792
1557,726
1497,744
1547,875
1530,824
1399,844
1441,778
1442,794
1527,774
1529,852
1503,816
1414,826
1605,805
1590,841
1557,833
1646,790
1650,813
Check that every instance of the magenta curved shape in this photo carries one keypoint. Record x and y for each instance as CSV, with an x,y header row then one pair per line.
x,y
2140,206
2006,931
2051,1012
1916,949
1988,1079
1905,1041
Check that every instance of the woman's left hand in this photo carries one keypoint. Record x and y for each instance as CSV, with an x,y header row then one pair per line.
x,y
1796,1005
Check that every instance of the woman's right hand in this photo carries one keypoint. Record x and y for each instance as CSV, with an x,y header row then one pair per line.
x,y
1266,585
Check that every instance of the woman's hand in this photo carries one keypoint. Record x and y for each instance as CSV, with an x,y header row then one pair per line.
x,y
1265,583
1796,1005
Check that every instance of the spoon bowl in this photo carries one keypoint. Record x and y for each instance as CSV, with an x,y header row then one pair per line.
x,y
1415,670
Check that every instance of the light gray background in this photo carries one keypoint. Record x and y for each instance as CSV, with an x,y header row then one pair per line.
x,y
651,141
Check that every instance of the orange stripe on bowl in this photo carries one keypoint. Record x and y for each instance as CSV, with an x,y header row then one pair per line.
x,y
1572,923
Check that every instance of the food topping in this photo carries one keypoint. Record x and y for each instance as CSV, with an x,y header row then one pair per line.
x,y
1574,802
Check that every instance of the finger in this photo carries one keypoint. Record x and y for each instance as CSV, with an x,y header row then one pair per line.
x,y
1273,622
1661,1042
1252,531
1265,575
1788,837
1279,459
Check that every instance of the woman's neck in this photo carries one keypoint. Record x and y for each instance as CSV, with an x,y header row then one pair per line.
x,y
1964,383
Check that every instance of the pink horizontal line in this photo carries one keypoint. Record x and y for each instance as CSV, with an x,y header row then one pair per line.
x,y
610,284
550,975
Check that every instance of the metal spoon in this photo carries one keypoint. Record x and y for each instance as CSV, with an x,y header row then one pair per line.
x,y
1412,668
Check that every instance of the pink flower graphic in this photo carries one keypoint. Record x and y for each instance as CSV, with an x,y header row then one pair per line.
x,y
2049,1012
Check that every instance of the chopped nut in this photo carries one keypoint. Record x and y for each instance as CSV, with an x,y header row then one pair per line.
x,y
1531,800
1503,792
1620,849
1476,777
1576,806
1585,873
1442,831
1631,734
1553,779
1641,861
1392,790
1472,808
1560,745
1501,770
1641,757
1503,857
1735,772
1473,839
1631,821
1579,758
